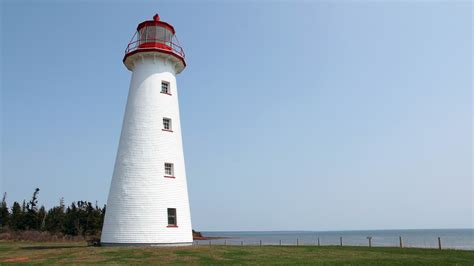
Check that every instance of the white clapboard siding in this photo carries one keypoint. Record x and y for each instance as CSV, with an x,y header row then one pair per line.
x,y
139,193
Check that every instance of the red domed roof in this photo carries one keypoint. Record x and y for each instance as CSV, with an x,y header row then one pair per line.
x,y
156,22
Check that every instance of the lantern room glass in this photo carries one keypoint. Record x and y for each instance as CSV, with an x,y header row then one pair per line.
x,y
155,34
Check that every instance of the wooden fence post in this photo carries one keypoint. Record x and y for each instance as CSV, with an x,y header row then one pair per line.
x,y
439,243
401,243
260,242
319,244
280,242
370,241
341,240
297,242
225,242
241,243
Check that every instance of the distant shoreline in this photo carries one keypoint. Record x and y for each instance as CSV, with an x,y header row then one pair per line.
x,y
209,237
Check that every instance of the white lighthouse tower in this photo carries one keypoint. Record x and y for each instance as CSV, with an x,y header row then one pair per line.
x,y
148,198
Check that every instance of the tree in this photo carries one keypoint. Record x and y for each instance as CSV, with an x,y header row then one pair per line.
x,y
103,212
4,213
61,203
32,205
41,218
32,220
94,220
70,225
55,218
17,217
80,218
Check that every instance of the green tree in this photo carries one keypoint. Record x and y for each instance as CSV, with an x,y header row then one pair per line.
x,y
32,221
94,220
80,218
70,225
17,217
4,213
55,218
42,218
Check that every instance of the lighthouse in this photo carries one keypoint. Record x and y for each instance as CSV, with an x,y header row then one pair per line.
x,y
148,199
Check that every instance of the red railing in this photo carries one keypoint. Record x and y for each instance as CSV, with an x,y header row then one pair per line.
x,y
155,43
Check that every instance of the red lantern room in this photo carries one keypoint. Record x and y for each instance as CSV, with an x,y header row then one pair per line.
x,y
155,38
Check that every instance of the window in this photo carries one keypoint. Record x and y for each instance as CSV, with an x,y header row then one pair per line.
x,y
151,34
167,124
165,87
169,169
172,217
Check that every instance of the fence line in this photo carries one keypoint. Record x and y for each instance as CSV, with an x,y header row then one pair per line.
x,y
297,242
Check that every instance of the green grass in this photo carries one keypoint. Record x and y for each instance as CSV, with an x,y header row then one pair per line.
x,y
79,253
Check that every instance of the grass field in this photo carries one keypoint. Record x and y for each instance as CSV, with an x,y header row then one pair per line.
x,y
79,253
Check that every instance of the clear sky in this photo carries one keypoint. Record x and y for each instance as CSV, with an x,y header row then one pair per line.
x,y
333,115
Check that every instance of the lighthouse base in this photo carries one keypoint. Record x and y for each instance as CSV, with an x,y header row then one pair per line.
x,y
181,244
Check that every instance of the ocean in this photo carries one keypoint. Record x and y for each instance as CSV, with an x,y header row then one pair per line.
x,y
422,238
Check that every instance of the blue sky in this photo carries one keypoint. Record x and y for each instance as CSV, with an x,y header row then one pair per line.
x,y
338,115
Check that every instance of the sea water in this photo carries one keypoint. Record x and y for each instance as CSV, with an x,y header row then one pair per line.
x,y
422,238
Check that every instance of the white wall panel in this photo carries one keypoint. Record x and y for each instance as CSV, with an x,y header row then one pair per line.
x,y
139,193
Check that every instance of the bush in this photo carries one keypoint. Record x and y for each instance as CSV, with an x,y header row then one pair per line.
x,y
37,236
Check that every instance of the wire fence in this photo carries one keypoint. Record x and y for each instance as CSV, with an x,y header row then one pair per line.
x,y
400,242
